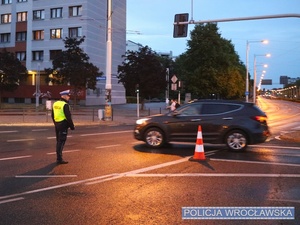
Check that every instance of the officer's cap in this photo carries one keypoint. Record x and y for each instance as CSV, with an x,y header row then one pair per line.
x,y
66,92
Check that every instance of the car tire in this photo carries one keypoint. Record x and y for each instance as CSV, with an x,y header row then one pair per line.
x,y
236,140
154,138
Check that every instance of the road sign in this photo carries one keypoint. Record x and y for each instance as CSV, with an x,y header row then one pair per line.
x,y
174,79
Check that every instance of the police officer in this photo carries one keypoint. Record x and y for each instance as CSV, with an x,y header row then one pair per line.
x,y
62,120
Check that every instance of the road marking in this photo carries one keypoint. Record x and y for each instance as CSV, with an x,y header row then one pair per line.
x,y
39,130
16,140
11,200
54,187
273,146
215,175
116,132
141,170
17,157
9,131
108,146
255,162
68,151
44,176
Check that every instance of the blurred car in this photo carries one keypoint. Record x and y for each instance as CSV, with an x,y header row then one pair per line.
x,y
234,123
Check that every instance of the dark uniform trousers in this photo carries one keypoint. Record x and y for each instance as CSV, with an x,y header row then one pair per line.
x,y
61,136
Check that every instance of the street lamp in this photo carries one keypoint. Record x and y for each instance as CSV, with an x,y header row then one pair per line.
x,y
254,78
108,108
247,65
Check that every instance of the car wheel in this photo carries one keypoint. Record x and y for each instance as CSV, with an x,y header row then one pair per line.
x,y
236,140
154,138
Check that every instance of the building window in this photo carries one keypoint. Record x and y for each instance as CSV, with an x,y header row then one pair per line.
x,y
56,13
6,18
5,2
37,55
56,33
4,38
38,35
21,36
21,56
38,14
22,0
21,16
54,54
75,32
75,11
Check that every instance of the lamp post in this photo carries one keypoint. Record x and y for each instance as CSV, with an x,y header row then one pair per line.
x,y
108,108
254,78
37,86
247,65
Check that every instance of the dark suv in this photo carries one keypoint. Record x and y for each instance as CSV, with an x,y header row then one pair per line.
x,y
234,123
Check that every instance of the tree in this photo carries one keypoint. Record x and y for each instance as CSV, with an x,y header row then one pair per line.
x,y
210,65
142,67
72,67
11,72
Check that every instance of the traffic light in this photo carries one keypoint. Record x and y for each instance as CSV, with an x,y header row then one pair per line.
x,y
180,30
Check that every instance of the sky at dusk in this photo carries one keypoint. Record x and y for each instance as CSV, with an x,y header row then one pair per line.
x,y
150,22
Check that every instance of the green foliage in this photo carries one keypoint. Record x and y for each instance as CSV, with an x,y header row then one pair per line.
x,y
143,67
210,65
11,71
72,66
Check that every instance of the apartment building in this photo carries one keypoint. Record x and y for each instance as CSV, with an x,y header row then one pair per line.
x,y
34,30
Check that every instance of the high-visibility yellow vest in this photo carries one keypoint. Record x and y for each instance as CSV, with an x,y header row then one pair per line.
x,y
58,111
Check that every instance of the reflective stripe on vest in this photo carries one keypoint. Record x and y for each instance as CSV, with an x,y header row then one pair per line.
x,y
58,110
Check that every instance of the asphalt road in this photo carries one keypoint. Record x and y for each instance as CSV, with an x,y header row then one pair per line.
x,y
113,179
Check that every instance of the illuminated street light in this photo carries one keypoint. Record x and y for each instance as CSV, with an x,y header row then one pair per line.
x,y
247,65
254,79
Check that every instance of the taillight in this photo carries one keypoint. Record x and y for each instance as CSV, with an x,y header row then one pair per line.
x,y
261,119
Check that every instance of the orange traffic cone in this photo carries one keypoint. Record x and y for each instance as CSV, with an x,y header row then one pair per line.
x,y
199,148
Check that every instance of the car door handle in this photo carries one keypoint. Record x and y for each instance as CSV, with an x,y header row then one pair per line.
x,y
227,118
194,120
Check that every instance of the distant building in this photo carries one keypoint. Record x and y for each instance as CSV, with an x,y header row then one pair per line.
x,y
285,80
34,30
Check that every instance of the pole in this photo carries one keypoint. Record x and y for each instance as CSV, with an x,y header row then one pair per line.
x,y
37,86
108,108
247,73
137,104
254,81
168,86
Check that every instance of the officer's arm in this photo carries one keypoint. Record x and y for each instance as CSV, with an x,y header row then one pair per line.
x,y
68,116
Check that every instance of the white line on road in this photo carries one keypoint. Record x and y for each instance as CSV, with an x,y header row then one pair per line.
x,y
116,132
9,131
11,200
255,162
54,187
44,176
108,146
68,151
274,146
17,157
16,140
34,130
215,175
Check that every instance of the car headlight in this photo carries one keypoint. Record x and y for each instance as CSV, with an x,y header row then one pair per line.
x,y
141,121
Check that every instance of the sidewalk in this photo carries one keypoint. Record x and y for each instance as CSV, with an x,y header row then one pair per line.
x,y
122,114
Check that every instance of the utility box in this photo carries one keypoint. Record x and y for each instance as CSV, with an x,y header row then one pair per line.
x,y
100,114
